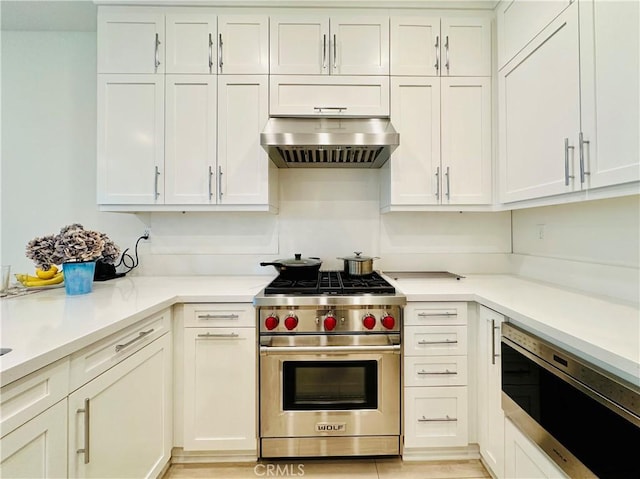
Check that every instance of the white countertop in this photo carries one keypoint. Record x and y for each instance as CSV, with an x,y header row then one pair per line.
x,y
47,326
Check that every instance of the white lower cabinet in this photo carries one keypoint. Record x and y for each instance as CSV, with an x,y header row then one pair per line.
x,y
490,414
120,422
524,460
220,379
38,448
436,410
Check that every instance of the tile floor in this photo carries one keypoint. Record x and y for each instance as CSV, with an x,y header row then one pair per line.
x,y
387,468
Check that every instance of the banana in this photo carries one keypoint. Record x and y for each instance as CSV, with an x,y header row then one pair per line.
x,y
47,274
57,279
26,277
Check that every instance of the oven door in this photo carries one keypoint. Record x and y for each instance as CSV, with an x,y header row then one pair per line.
x,y
329,390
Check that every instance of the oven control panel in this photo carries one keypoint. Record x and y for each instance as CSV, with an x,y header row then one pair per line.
x,y
328,320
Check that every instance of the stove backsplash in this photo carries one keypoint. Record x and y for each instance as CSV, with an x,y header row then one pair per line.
x,y
326,213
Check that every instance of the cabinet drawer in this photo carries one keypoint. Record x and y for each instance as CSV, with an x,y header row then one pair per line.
x,y
25,398
436,417
435,371
435,341
435,314
338,95
93,360
223,315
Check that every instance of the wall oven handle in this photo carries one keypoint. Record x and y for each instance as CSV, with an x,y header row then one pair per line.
x,y
329,349
438,419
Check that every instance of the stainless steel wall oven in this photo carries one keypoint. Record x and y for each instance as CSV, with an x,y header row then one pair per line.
x,y
585,419
330,373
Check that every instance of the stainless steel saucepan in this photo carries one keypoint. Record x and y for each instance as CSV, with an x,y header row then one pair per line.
x,y
358,265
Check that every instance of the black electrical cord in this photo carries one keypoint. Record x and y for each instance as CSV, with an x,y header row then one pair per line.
x,y
127,260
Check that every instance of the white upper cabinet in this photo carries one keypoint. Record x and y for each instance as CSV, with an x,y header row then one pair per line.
x,y
610,82
539,114
130,42
243,44
130,139
434,46
191,43
319,45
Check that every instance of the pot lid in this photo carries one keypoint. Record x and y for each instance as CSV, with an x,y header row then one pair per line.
x,y
298,260
357,257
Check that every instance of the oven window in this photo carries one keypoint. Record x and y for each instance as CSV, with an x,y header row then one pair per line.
x,y
330,385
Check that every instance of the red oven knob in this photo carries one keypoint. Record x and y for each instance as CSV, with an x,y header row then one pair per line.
x,y
388,322
271,322
330,323
290,322
369,321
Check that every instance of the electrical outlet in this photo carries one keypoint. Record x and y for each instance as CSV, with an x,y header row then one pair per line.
x,y
147,233
540,231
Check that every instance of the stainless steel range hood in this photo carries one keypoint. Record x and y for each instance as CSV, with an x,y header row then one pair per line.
x,y
329,142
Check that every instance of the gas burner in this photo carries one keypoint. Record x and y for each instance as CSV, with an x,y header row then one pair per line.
x,y
336,283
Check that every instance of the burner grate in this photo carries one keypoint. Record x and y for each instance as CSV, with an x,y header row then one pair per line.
x,y
331,283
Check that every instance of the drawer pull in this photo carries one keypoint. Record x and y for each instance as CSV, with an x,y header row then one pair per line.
x,y
219,335
422,372
431,315
446,341
85,449
438,419
141,334
218,316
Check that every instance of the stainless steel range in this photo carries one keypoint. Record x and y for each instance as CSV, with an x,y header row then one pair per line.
x,y
329,366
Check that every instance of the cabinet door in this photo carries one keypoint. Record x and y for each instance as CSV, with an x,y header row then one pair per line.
x,y
130,43
359,45
191,43
540,113
415,46
130,139
466,140
466,46
243,44
190,158
299,45
220,389
120,422
38,448
243,165
490,414
610,82
415,164
436,417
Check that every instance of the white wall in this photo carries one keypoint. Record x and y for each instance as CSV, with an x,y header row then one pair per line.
x,y
592,246
48,180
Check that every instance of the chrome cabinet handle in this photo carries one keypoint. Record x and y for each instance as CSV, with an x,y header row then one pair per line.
x,y
141,334
220,51
446,50
437,47
156,193
438,419
210,179
86,411
494,328
219,335
210,53
324,51
218,316
437,196
219,183
582,142
446,372
446,341
448,193
446,313
157,54
339,109
335,50
567,147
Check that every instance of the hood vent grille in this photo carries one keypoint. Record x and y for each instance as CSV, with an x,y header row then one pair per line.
x,y
347,156
329,142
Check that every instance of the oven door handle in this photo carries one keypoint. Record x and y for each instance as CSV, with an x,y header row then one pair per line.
x,y
265,350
